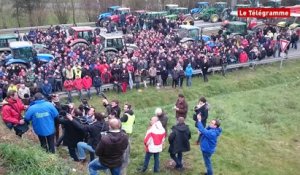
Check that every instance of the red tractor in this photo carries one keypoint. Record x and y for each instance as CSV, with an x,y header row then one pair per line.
x,y
82,36
123,11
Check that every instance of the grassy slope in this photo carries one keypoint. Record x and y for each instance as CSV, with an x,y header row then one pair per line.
x,y
259,111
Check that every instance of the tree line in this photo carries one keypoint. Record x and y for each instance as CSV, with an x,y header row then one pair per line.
x,y
20,13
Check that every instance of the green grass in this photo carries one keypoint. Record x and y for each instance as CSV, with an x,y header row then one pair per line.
x,y
259,110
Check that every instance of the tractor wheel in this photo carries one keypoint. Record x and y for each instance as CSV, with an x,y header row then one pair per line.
x,y
196,16
110,54
188,19
78,45
205,18
214,18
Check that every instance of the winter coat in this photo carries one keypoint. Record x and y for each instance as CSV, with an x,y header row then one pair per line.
x,y
93,129
203,110
87,82
209,138
155,137
183,109
243,57
11,110
105,77
47,89
111,148
97,82
189,71
164,120
68,85
42,114
179,139
78,84
72,135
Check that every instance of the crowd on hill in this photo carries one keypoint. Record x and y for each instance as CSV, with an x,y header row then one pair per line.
x,y
159,56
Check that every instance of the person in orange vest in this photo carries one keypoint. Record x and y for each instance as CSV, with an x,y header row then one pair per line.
x,y
87,83
68,85
78,86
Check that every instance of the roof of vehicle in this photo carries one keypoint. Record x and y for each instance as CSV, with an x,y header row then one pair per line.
x,y
182,8
8,36
188,27
19,44
172,5
243,5
221,3
202,2
123,8
237,23
83,28
112,35
140,11
114,7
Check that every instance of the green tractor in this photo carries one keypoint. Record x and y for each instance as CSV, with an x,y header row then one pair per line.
x,y
237,28
182,13
218,12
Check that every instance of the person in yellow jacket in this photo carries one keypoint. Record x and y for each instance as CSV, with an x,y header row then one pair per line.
x,y
128,119
13,87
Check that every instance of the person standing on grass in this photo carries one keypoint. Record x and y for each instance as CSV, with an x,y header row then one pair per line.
x,y
188,74
209,140
87,83
43,113
201,108
78,86
181,107
153,142
179,142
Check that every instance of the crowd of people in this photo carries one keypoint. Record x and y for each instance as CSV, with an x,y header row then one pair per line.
x,y
160,57
107,136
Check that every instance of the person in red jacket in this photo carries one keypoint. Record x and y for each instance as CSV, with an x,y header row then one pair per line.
x,y
68,85
78,85
243,57
106,76
87,83
12,113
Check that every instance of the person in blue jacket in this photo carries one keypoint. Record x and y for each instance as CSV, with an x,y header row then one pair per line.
x,y
188,74
47,89
209,141
42,114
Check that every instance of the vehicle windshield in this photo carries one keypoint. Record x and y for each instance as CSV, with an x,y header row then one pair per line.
x,y
232,28
25,53
115,43
87,35
127,11
193,33
110,10
5,42
201,6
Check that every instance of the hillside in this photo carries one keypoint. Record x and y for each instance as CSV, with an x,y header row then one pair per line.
x,y
259,110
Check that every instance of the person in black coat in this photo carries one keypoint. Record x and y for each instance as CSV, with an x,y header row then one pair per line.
x,y
179,142
95,125
72,134
164,76
202,108
97,84
204,67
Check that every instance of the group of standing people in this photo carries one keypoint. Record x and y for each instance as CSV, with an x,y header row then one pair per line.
x,y
108,135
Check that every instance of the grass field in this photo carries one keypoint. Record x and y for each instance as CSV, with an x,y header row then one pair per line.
x,y
259,110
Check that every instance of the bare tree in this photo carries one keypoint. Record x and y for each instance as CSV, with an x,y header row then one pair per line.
x,y
18,11
29,7
39,11
60,8
73,11
92,9
2,13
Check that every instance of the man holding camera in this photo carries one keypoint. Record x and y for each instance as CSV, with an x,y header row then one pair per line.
x,y
209,139
95,126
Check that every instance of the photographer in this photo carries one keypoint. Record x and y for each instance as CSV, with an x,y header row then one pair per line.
x,y
113,107
95,126
84,107
201,108
72,135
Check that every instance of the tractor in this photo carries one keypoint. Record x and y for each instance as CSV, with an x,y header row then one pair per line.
x,y
218,12
81,36
200,6
170,6
273,3
189,34
102,18
180,13
151,16
5,39
237,28
112,43
23,53
117,17
292,23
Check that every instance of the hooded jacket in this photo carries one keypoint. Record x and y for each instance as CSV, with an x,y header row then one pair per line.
x,y
209,138
78,84
155,137
189,71
11,110
111,148
179,139
87,82
68,85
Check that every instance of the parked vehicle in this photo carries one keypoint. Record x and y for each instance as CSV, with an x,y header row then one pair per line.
x,y
102,18
180,13
218,12
22,52
188,33
200,6
81,36
5,39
